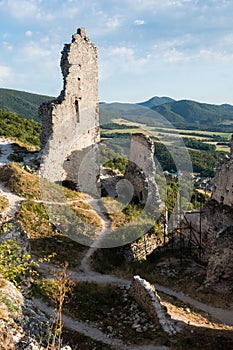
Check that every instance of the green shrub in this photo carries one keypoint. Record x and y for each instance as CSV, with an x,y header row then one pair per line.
x,y
20,129
14,265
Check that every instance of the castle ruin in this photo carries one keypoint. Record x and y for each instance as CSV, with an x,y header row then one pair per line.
x,y
70,124
223,181
212,227
141,169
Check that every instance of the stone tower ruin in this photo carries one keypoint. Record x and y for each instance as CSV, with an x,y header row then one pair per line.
x,y
70,123
141,170
223,181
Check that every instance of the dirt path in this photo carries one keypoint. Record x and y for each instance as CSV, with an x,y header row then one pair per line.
x,y
48,269
92,332
6,150
13,199
106,224
223,315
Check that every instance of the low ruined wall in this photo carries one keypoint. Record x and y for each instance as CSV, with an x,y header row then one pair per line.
x,y
140,249
148,299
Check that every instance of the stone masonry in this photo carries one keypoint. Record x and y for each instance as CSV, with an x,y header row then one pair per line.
x,y
217,213
141,169
213,227
140,249
220,264
223,181
148,299
70,123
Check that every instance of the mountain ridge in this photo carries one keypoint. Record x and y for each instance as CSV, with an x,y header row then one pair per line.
x,y
23,103
156,111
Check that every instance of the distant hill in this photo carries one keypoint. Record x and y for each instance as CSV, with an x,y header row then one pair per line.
x,y
156,101
106,116
23,103
129,111
227,106
183,114
195,115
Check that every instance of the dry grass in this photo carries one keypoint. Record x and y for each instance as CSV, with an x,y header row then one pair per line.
x,y
19,181
88,216
33,218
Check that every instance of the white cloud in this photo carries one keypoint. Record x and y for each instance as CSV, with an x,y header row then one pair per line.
x,y
23,9
7,46
173,55
28,33
215,56
34,50
172,51
156,4
121,51
112,23
122,59
139,22
5,74
28,10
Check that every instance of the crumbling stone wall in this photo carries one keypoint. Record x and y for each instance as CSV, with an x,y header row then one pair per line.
x,y
213,227
144,246
70,124
148,299
217,213
141,170
214,218
223,181
220,264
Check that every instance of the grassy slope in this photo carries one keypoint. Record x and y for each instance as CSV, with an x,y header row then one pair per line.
x,y
19,129
22,103
194,114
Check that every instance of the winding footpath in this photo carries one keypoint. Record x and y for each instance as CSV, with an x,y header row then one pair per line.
x,y
87,275
14,200
92,332
223,315
106,225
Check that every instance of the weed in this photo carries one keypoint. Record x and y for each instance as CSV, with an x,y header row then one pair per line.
x,y
10,306
4,203
59,292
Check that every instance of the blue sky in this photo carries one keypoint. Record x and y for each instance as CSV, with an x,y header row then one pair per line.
x,y
177,48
